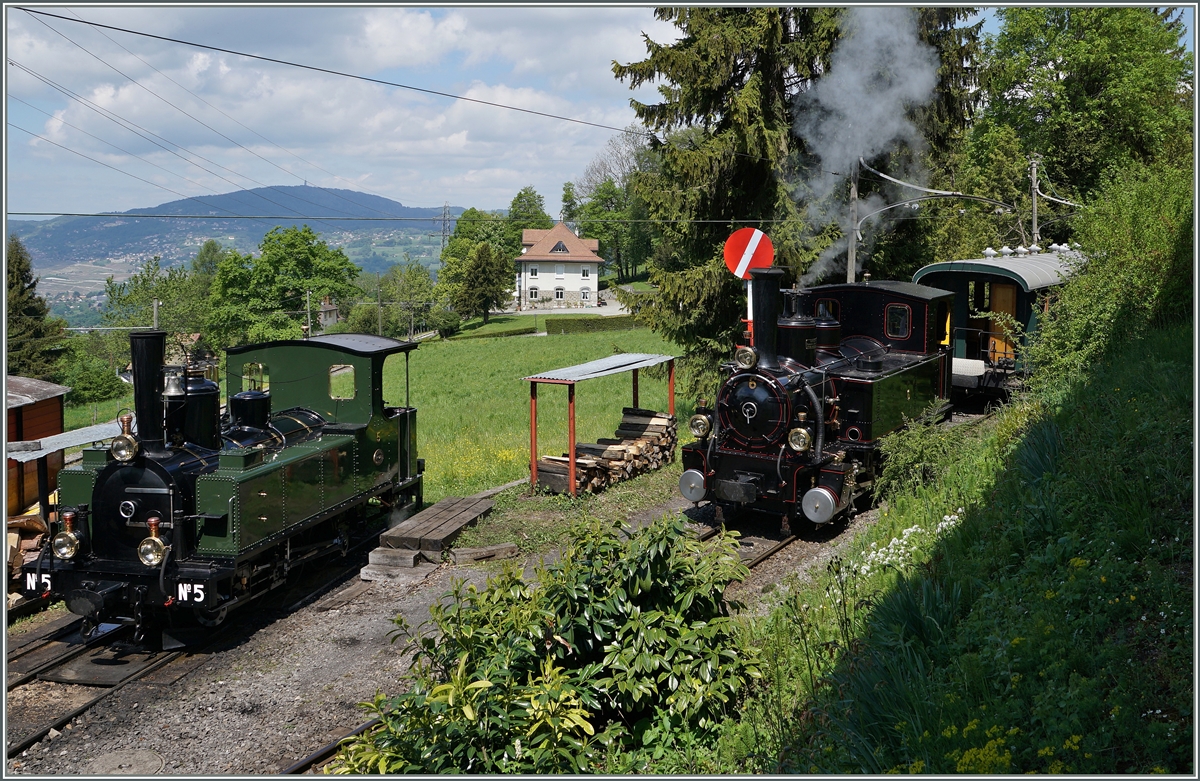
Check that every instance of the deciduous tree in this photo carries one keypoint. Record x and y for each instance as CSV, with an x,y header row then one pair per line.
x,y
264,298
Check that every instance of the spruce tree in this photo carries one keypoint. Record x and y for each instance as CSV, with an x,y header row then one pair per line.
x,y
34,338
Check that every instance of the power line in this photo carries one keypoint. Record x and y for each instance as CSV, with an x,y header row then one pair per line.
x,y
341,73
246,127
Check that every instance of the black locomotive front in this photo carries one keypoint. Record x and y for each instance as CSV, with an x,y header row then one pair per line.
x,y
795,426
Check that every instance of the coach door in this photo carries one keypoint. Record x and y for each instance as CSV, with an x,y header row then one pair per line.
x,y
1004,299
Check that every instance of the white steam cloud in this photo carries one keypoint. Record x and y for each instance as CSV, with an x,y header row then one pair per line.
x,y
879,71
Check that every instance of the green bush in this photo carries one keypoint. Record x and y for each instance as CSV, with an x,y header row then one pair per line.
x,y
578,324
445,322
1137,237
618,645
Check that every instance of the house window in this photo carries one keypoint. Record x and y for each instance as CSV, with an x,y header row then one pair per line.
x,y
559,269
898,318
559,294
585,271
533,294
533,272
560,248
585,294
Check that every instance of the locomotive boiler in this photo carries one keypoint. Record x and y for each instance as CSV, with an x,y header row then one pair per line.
x,y
187,516
796,425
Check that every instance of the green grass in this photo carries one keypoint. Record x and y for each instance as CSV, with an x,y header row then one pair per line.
x,y
473,407
81,415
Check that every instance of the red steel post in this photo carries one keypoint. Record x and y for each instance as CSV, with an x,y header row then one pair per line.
x,y
571,438
532,435
671,387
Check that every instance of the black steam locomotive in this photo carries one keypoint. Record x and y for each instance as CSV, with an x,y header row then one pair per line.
x,y
190,516
796,426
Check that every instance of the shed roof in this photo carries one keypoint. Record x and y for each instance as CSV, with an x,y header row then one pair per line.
x,y
539,243
31,449
613,364
1033,272
22,391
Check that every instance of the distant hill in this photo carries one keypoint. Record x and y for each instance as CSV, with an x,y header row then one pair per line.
x,y
75,251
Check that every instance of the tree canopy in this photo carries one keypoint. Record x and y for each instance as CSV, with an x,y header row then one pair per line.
x,y
1091,89
265,298
32,336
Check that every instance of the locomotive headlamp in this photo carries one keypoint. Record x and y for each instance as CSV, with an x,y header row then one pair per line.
x,y
124,447
745,357
152,550
66,543
799,440
699,425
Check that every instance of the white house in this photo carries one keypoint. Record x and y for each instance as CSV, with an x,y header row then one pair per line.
x,y
557,269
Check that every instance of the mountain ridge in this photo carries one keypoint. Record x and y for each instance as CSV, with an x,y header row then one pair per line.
x,y
131,237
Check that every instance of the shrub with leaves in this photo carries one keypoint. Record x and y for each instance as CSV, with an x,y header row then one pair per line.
x,y
619,637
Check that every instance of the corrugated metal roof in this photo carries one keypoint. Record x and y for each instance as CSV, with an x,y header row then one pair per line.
x,y
1036,271
613,364
79,436
20,391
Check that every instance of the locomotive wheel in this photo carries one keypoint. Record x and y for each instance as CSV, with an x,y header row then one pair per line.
x,y
212,618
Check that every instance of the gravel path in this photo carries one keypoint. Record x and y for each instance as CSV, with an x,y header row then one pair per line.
x,y
294,684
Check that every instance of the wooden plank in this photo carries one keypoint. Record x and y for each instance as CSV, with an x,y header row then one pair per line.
x,y
644,412
441,537
408,533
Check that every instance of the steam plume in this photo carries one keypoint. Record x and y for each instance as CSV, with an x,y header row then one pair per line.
x,y
879,70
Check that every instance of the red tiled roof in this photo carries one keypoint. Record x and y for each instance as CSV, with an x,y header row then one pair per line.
x,y
538,244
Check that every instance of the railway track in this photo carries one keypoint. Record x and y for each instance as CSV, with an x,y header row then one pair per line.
x,y
55,675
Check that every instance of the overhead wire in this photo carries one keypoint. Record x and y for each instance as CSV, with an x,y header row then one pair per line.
x,y
151,92
248,128
137,130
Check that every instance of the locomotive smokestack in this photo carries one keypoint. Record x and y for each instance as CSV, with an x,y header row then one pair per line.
x,y
764,298
147,350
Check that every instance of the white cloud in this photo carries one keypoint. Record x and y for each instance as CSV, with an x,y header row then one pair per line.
x,y
417,148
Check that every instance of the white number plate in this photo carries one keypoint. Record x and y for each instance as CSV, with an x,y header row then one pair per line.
x,y
189,592
31,582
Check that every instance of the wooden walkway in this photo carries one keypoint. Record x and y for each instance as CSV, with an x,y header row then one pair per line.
x,y
435,527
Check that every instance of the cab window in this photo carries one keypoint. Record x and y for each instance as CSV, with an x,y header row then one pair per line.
x,y
898,319
341,382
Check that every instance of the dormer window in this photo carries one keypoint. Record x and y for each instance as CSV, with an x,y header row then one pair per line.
x,y
560,248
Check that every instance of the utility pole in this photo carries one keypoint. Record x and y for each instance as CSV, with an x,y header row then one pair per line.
x,y
379,299
853,238
445,223
308,309
156,314
1033,191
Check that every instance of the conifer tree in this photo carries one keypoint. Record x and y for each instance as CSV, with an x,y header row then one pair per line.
x,y
33,338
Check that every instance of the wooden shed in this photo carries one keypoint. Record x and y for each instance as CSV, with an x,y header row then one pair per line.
x,y
35,410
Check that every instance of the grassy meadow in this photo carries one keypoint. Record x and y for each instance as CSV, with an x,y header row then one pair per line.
x,y
473,407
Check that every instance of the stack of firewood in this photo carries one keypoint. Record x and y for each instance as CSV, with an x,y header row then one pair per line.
x,y
644,440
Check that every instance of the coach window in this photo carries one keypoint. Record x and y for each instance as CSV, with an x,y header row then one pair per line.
x,y
899,321
828,308
341,382
255,376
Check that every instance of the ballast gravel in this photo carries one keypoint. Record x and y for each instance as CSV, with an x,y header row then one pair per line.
x,y
295,683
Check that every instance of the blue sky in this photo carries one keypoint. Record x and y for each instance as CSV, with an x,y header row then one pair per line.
x,y
298,125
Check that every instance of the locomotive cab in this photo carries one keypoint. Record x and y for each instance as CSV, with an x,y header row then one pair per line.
x,y
187,518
